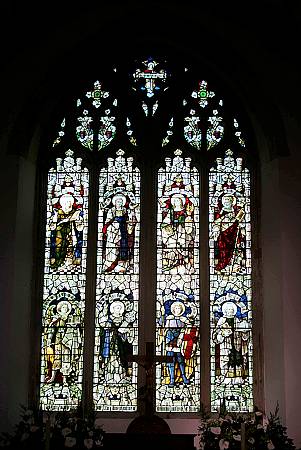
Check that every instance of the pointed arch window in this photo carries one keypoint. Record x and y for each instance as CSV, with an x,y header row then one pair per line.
x,y
134,154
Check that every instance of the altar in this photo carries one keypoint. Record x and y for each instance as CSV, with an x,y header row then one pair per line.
x,y
120,441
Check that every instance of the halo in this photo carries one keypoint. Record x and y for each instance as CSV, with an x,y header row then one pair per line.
x,y
65,196
176,303
117,196
229,195
181,196
113,304
232,304
61,303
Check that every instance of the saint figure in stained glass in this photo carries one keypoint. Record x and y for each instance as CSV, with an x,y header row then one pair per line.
x,y
228,233
232,336
178,381
119,233
66,225
177,227
117,274
64,284
178,338
117,286
230,284
116,336
63,339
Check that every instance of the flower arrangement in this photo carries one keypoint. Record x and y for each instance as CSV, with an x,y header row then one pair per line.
x,y
251,431
54,431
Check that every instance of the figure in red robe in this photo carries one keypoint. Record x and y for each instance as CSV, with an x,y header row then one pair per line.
x,y
228,233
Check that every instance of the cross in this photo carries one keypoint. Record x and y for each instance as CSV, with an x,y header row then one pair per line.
x,y
148,362
150,75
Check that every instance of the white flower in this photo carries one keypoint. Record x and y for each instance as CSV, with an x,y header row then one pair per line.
x,y
66,431
70,441
270,445
223,444
215,430
99,442
237,437
251,440
88,443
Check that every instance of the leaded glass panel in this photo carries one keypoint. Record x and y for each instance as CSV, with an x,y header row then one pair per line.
x,y
96,118
201,124
230,285
90,126
178,309
150,80
64,285
117,286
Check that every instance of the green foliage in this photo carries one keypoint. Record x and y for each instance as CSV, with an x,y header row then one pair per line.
x,y
54,431
278,433
224,431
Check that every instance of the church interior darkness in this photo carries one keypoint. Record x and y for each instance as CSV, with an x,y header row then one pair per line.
x,y
253,49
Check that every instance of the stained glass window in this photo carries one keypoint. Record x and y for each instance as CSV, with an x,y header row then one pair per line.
x,y
117,286
178,304
150,80
204,120
61,133
169,133
104,152
230,285
130,132
238,133
64,284
96,119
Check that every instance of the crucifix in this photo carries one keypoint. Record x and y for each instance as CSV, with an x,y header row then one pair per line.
x,y
148,362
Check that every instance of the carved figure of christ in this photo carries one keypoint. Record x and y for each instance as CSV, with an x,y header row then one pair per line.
x,y
148,362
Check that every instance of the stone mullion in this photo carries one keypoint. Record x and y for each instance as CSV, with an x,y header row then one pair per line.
x,y
204,288
148,262
88,358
